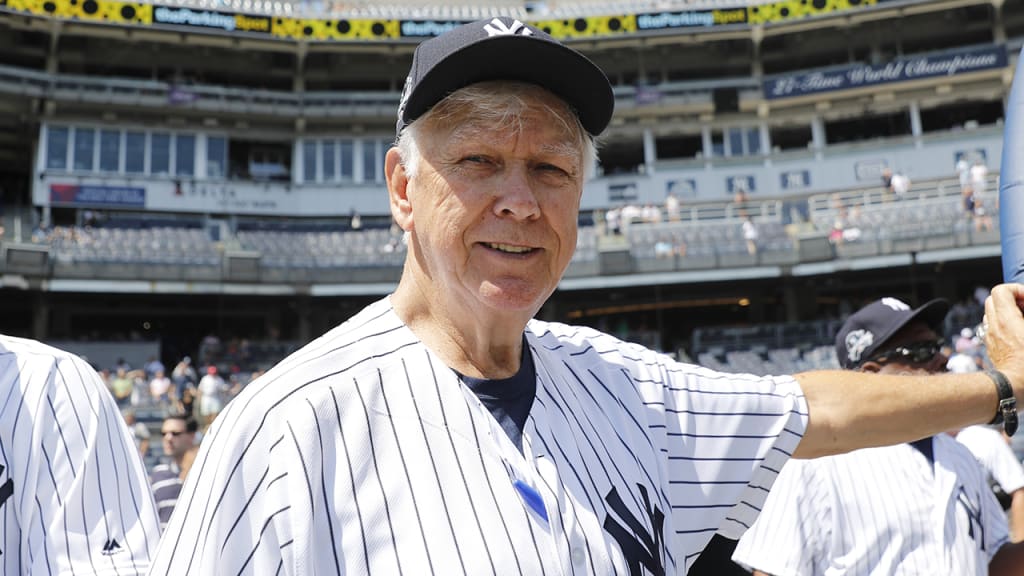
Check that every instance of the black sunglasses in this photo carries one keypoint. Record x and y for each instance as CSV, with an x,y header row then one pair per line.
x,y
913,353
172,433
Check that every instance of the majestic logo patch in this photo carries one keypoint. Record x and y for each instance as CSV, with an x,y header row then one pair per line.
x,y
857,342
498,28
111,547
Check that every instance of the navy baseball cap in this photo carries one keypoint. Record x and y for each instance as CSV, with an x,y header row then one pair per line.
x,y
867,329
504,48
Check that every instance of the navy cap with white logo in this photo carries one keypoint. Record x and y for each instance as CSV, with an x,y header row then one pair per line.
x,y
868,329
505,49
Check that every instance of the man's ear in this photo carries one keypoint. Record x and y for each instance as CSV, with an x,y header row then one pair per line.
x,y
870,366
398,184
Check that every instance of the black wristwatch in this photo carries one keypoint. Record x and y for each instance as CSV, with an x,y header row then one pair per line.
x,y
1007,410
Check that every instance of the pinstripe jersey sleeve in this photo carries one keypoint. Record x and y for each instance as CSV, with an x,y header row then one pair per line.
x,y
74,496
786,539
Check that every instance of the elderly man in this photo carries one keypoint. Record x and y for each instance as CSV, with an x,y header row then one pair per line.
x,y
443,430
923,507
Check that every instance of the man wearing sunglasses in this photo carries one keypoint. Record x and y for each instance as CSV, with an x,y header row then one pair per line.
x,y
918,508
178,432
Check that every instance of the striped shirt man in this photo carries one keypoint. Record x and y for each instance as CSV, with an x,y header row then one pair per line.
x,y
878,511
73,491
363,454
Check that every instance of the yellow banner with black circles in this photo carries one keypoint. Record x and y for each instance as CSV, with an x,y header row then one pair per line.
x,y
117,12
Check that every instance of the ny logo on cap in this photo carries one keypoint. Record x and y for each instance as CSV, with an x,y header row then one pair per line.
x,y
498,28
895,304
857,342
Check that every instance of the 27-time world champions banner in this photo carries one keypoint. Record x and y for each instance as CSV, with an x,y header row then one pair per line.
x,y
931,65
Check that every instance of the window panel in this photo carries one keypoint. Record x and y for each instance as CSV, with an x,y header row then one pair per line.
x,y
160,154
110,150
85,145
216,157
309,161
56,148
327,160
135,152
184,155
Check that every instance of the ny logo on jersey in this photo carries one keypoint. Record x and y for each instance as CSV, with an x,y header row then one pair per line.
x,y
498,28
639,547
973,511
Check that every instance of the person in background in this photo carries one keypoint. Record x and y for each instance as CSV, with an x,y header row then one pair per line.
x,y
121,386
922,507
73,492
1003,471
179,435
211,396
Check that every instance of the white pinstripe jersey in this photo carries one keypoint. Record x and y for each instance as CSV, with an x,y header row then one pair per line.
x,y
363,454
879,511
74,496
995,456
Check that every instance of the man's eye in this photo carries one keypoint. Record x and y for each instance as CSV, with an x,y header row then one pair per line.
x,y
552,168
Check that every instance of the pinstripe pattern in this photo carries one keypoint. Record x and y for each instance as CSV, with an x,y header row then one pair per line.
x,y
995,455
75,495
383,462
878,511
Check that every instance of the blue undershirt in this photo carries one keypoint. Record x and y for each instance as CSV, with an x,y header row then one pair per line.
x,y
509,399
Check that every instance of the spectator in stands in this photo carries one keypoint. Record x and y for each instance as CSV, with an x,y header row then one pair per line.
x,y
160,388
963,172
663,248
750,235
672,206
982,219
122,386
979,177
967,200
179,434
152,366
887,179
183,376
651,214
140,433
211,393
899,184
740,199
629,214
122,364
965,358
613,221
142,438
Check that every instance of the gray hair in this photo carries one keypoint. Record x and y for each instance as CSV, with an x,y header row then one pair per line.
x,y
502,103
